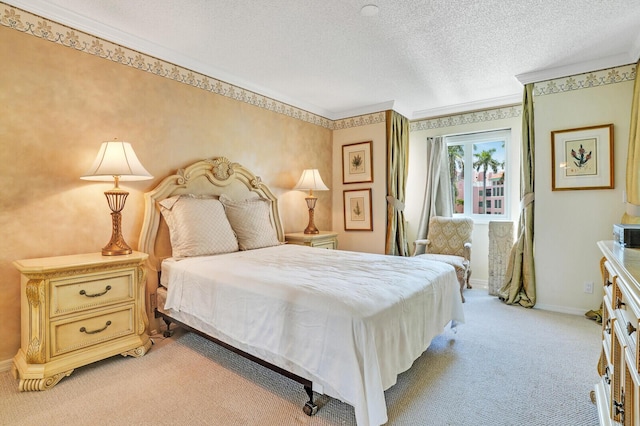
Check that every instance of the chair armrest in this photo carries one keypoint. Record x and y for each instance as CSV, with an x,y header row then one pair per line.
x,y
420,243
467,251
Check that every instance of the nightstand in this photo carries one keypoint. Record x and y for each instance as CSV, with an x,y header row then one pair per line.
x,y
325,239
77,310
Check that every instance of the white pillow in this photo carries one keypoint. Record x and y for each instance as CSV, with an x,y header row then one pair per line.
x,y
198,226
250,220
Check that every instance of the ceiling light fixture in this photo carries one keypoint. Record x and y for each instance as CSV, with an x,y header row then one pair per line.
x,y
369,10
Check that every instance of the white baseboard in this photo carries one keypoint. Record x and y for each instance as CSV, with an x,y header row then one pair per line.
x,y
479,283
560,309
484,284
5,365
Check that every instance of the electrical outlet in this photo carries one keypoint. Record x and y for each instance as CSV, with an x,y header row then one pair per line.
x,y
588,287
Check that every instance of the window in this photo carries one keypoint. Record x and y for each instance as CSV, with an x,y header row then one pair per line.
x,y
477,167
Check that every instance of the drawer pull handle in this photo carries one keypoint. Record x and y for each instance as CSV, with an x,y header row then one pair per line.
x,y
619,410
607,283
607,327
84,293
84,330
619,406
630,328
606,375
619,303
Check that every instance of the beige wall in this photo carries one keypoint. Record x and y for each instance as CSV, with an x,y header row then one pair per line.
x,y
366,241
57,105
569,223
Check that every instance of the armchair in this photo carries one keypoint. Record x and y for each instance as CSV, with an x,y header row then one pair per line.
x,y
449,241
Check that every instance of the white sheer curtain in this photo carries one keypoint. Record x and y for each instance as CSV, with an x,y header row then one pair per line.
x,y
437,191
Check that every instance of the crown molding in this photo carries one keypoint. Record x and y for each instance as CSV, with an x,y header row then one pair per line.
x,y
371,109
364,110
468,107
635,50
577,68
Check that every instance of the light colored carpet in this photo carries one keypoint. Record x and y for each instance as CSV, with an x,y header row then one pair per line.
x,y
505,366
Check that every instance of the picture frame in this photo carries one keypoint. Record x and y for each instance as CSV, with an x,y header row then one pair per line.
x,y
357,210
582,158
357,162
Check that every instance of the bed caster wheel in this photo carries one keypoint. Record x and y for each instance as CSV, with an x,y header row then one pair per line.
x,y
310,409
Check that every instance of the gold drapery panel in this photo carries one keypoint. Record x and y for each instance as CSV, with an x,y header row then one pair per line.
x,y
397,164
632,213
520,280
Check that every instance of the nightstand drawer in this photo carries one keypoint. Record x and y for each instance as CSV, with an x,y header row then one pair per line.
x,y
82,331
331,245
78,293
323,239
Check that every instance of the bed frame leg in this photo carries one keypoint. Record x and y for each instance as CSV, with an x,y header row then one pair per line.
x,y
309,407
168,332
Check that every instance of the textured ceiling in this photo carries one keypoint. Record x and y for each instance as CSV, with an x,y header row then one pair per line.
x,y
422,58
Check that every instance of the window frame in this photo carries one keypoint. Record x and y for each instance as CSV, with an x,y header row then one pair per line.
x,y
467,140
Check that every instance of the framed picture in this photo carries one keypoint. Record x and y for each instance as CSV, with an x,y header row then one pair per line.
x,y
582,158
357,165
357,210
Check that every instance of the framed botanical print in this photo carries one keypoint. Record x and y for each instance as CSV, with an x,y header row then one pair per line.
x,y
357,210
582,158
357,165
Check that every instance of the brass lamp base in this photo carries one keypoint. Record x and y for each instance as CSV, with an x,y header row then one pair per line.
x,y
311,227
116,246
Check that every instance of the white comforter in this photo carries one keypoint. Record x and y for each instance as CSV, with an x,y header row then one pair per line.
x,y
350,322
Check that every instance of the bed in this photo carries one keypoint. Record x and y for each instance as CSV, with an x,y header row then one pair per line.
x,y
341,323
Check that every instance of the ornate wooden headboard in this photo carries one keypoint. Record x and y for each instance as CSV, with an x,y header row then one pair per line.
x,y
214,176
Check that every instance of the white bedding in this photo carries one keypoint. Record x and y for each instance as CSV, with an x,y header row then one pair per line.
x,y
350,322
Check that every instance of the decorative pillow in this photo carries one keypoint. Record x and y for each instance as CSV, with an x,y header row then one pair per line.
x,y
250,220
198,226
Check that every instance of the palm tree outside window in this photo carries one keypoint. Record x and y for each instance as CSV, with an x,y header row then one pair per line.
x,y
480,191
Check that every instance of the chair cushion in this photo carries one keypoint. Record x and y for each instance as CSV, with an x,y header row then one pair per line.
x,y
457,262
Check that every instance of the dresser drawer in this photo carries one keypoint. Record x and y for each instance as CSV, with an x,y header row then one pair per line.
x,y
607,327
626,315
78,293
82,331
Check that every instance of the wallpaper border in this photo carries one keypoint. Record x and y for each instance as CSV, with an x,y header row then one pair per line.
x,y
586,80
492,114
29,23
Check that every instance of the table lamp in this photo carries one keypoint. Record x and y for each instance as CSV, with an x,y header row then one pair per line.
x,y
311,180
116,161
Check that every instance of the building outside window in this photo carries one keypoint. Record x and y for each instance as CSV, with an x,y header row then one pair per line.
x,y
477,168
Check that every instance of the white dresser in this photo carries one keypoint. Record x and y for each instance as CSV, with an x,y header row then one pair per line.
x,y
617,394
77,310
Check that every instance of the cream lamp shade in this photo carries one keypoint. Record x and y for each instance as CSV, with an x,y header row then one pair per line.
x,y
116,159
118,162
311,181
